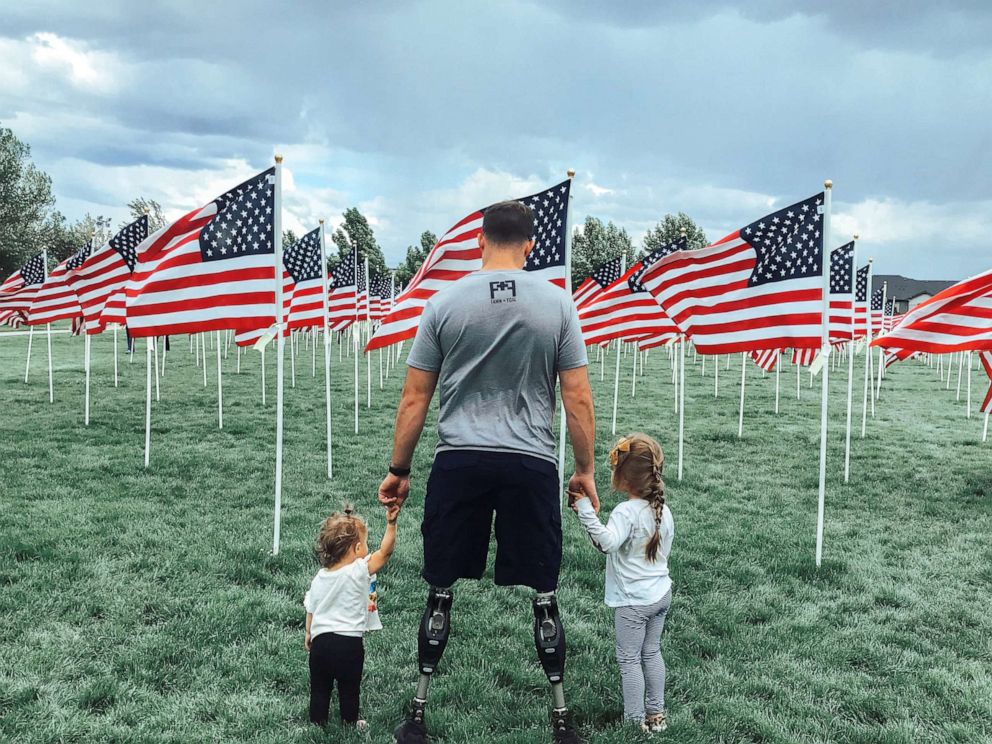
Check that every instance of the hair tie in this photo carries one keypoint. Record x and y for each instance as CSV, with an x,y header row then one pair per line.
x,y
622,446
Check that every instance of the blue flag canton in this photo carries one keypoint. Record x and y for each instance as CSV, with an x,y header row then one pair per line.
x,y
343,275
126,242
381,286
243,223
76,259
302,258
876,299
634,282
861,285
360,280
608,273
788,243
550,218
33,272
890,307
841,269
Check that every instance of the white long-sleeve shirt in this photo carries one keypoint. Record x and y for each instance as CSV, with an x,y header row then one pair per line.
x,y
631,579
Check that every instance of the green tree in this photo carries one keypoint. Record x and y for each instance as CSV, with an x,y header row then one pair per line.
x,y
669,229
356,232
288,238
415,256
594,244
142,205
28,220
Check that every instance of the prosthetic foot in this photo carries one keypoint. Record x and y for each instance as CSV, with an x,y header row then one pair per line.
x,y
435,626
549,640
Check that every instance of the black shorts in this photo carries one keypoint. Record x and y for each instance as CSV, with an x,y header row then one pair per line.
x,y
464,489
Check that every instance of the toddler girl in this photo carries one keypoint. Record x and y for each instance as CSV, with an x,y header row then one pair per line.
x,y
637,541
341,607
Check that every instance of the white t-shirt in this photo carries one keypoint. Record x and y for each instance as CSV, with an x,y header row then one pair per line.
x,y
631,579
343,601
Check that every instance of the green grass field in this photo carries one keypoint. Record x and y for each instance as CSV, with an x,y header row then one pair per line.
x,y
144,606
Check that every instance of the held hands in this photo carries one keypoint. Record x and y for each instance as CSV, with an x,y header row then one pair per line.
x,y
392,514
580,486
393,491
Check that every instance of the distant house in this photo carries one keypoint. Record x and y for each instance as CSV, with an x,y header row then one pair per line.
x,y
908,293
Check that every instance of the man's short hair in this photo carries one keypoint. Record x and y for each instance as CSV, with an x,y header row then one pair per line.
x,y
508,223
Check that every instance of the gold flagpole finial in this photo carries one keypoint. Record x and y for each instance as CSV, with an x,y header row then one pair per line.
x,y
321,220
278,158
828,184
571,173
856,236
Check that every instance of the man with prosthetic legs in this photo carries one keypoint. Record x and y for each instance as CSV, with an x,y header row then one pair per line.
x,y
496,343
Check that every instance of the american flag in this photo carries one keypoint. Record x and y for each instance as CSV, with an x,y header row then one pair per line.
x,y
861,302
804,357
302,284
19,290
601,278
341,306
210,270
56,299
103,274
760,287
650,342
361,293
889,318
625,309
958,318
841,313
12,318
457,253
877,300
766,359
378,294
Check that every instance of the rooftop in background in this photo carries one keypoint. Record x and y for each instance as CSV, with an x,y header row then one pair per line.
x,y
909,292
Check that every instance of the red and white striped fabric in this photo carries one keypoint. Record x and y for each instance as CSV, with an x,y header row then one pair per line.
x,y
457,254
652,341
841,309
342,308
12,318
958,318
104,272
766,359
601,278
212,269
247,338
892,321
861,302
20,288
758,288
56,299
804,357
985,357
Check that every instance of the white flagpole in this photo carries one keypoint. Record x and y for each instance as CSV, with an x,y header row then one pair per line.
x,y
263,375
358,374
716,376
825,390
798,374
616,373
968,410
237,353
682,402
280,346
48,333
702,372
314,335
27,367
633,382
165,353
196,344
292,360
985,428
740,421
368,322
148,399
778,376
850,362
86,364
960,369
864,403
203,357
568,288
220,386
327,348
116,328
155,350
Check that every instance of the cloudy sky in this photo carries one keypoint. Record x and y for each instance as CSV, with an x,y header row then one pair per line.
x,y
419,112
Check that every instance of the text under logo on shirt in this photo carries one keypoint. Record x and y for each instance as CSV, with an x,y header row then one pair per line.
x,y
500,292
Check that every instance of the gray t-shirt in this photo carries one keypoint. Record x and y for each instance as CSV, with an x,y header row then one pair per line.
x,y
497,340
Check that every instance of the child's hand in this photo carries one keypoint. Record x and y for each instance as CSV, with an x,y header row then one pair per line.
x,y
574,497
306,641
392,513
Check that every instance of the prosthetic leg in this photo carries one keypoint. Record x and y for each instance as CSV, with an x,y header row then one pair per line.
x,y
435,626
549,640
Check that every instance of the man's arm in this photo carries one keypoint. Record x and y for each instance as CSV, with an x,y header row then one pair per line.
x,y
418,389
576,397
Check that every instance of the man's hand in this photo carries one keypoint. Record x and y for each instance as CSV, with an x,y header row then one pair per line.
x,y
306,641
584,483
393,490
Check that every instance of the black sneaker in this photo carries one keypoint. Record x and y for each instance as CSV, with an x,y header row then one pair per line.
x,y
412,730
563,730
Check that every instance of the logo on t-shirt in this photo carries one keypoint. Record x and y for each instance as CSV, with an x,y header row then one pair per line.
x,y
505,291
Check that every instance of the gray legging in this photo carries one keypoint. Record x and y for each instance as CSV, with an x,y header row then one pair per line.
x,y
642,669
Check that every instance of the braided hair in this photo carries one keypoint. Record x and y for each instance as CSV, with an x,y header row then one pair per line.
x,y
338,534
637,461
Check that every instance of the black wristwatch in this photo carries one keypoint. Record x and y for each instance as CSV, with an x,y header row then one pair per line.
x,y
399,472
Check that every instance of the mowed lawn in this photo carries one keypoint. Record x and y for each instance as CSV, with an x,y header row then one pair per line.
x,y
144,605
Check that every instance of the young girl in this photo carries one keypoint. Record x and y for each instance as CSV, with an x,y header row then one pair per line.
x,y
341,607
637,541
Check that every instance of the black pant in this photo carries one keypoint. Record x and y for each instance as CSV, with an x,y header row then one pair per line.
x,y
333,658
